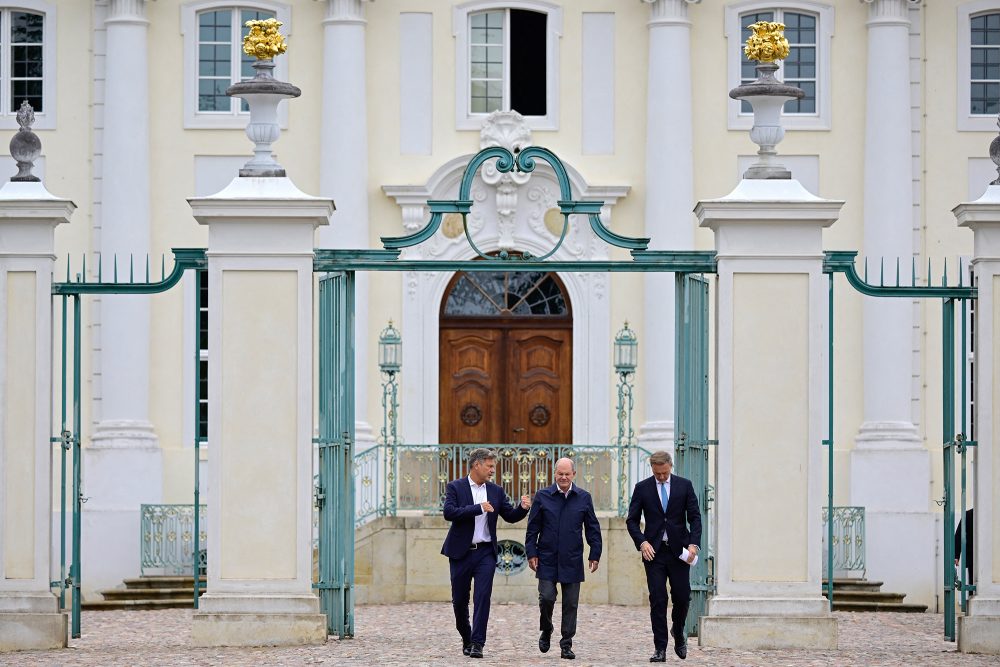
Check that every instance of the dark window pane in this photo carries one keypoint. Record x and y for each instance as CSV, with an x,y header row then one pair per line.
x,y
25,28
26,90
26,61
527,76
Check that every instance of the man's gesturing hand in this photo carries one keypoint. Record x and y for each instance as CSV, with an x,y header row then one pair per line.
x,y
593,565
648,552
533,563
526,502
487,507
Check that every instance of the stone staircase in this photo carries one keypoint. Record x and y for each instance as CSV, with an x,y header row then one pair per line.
x,y
864,595
159,592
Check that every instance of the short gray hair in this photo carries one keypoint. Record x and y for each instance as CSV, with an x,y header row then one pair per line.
x,y
659,458
481,454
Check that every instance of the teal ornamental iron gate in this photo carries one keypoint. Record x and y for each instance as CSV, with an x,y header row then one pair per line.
x,y
335,491
68,297
692,446
955,302
335,486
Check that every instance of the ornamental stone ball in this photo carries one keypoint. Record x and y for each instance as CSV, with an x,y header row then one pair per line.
x,y
25,146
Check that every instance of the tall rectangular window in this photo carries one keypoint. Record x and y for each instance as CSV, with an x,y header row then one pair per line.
x,y
221,61
984,75
202,296
505,72
799,68
23,41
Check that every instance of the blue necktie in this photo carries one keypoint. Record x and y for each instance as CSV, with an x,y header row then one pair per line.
x,y
663,496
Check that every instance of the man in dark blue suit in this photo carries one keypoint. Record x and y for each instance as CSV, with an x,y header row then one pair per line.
x,y
673,523
554,546
472,504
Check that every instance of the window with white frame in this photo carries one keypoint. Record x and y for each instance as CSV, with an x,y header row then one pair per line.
x,y
508,60
221,61
978,59
214,59
202,297
809,29
27,62
984,61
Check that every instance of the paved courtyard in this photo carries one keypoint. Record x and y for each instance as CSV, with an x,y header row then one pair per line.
x,y
423,634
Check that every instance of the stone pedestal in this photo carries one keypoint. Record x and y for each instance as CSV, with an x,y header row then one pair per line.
x,y
260,379
770,409
979,631
29,615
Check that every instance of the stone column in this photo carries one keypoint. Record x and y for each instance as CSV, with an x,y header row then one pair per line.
x,y
343,170
669,195
29,615
979,631
771,335
898,517
260,281
122,463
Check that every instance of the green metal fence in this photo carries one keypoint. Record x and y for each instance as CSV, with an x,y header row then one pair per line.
x,y
167,538
848,544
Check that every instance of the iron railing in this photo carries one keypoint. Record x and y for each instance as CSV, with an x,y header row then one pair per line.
x,y
167,538
848,539
391,478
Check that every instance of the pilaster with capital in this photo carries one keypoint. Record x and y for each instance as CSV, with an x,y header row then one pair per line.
x,y
669,195
343,170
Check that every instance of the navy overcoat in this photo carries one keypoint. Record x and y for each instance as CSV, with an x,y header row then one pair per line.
x,y
554,535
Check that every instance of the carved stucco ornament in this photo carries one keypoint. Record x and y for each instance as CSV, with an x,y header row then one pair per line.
x,y
994,153
25,146
509,130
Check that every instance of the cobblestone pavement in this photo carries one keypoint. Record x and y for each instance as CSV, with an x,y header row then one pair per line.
x,y
423,634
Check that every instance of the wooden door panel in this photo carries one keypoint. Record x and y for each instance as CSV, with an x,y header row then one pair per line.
x,y
540,399
471,378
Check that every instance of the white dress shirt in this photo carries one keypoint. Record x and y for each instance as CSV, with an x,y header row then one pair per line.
x,y
659,496
482,531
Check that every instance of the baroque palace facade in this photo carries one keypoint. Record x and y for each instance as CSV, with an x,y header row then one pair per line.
x,y
901,104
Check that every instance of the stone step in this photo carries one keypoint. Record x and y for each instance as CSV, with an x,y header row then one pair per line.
x,y
878,606
138,604
162,581
881,597
149,594
854,585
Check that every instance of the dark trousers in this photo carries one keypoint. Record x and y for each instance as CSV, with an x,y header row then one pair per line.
x,y
663,567
477,565
547,602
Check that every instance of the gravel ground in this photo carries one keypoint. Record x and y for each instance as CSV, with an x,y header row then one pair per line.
x,y
423,634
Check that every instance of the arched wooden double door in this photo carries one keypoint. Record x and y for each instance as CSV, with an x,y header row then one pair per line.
x,y
506,356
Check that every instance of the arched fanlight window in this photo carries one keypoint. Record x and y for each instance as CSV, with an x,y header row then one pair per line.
x,y
506,293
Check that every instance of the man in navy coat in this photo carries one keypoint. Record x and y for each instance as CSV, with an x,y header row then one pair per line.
x,y
472,504
554,546
673,523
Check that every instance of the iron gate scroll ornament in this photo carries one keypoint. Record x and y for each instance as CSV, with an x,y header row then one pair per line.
x,y
520,161
539,415
471,414
511,557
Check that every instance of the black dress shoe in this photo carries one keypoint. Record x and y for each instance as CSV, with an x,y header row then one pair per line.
x,y
567,653
680,644
466,648
659,656
544,641
475,650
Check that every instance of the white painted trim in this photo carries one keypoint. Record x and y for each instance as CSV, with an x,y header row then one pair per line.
x,y
966,122
43,120
464,119
194,119
423,291
823,118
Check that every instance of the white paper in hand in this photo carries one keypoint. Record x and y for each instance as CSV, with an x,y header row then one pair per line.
x,y
685,554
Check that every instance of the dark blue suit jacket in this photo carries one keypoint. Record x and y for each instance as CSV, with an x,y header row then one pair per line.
x,y
462,510
554,535
682,512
